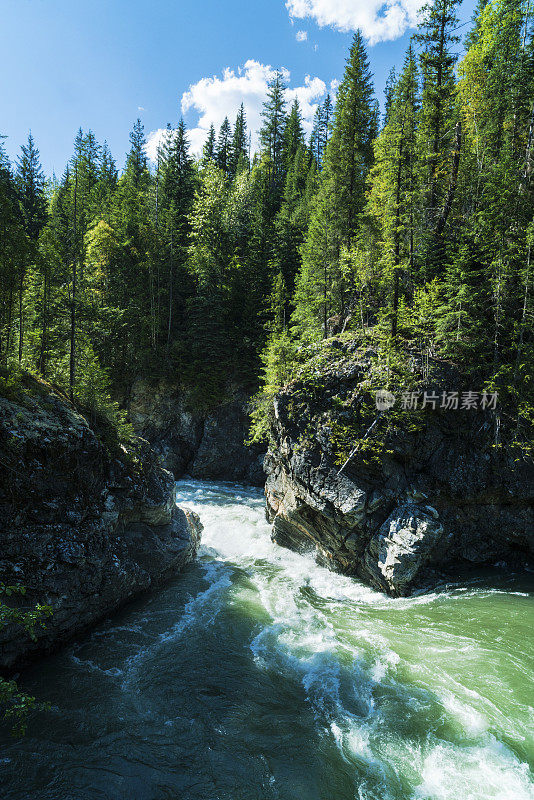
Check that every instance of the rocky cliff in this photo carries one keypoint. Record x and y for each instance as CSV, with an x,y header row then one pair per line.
x,y
398,498
209,445
85,525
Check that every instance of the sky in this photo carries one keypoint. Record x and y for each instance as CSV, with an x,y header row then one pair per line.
x,y
66,64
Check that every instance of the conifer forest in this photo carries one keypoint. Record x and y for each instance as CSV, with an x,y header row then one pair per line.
x,y
410,230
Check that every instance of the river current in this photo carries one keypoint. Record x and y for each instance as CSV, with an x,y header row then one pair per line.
x,y
258,675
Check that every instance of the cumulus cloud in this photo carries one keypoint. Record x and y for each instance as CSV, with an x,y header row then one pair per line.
x,y
212,99
153,141
379,21
302,36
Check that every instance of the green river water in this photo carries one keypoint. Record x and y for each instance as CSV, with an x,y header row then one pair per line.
x,y
258,675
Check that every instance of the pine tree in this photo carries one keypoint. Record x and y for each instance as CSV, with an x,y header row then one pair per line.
x,y
210,147
177,193
30,183
321,129
272,136
13,249
224,147
388,93
349,154
392,202
238,150
321,289
437,38
31,187
293,135
136,162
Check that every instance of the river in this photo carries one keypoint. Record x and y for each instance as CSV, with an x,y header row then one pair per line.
x,y
258,675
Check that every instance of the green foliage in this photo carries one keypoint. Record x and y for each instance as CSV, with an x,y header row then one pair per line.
x,y
414,239
15,704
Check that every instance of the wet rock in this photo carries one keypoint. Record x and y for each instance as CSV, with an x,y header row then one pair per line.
x,y
401,549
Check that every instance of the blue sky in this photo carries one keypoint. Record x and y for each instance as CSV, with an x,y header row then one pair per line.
x,y
71,63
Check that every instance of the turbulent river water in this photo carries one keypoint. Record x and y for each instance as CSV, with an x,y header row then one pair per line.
x,y
258,675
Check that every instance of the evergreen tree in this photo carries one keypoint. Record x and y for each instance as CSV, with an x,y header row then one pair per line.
x,y
349,154
321,129
321,289
239,155
293,135
272,136
224,147
437,38
31,188
388,93
136,162
393,196
178,190
210,148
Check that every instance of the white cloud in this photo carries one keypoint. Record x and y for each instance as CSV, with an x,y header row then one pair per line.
x,y
308,97
153,141
302,36
140,108
379,21
217,97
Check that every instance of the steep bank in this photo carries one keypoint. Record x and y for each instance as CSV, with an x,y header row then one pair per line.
x,y
86,524
205,444
422,492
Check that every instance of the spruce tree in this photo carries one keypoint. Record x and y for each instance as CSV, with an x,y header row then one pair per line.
x,y
238,150
136,162
438,39
321,288
393,196
272,136
210,147
224,147
31,188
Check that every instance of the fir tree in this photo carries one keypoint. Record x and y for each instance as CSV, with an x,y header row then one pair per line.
x,y
238,150
272,135
224,147
31,187
136,162
209,149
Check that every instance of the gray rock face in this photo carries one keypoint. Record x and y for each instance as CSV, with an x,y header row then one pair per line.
x,y
205,445
402,548
83,528
438,496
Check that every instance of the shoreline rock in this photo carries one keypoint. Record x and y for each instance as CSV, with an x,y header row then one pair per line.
x,y
84,528
439,496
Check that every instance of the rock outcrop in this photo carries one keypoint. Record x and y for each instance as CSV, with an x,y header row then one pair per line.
x,y
85,525
425,492
208,445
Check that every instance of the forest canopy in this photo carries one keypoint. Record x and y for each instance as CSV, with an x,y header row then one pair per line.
x,y
411,230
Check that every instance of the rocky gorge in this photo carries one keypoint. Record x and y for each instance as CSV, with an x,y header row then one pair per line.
x,y
428,492
204,443
91,523
87,524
